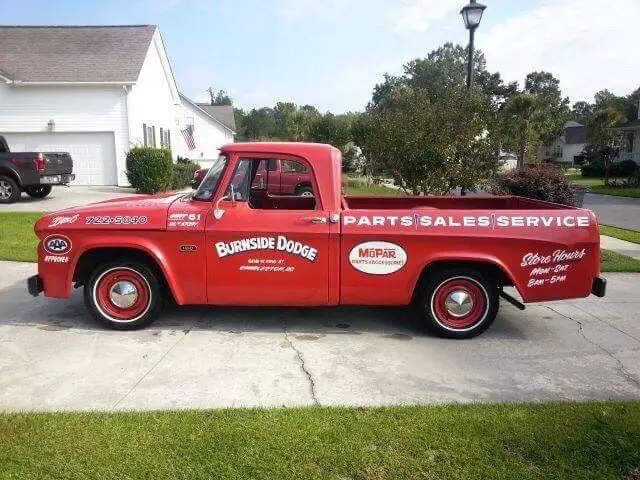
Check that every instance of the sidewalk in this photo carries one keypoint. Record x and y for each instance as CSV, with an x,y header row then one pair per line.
x,y
620,246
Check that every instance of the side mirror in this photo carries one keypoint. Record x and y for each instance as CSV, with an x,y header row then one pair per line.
x,y
217,211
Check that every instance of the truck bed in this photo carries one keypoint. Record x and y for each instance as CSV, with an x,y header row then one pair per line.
x,y
448,203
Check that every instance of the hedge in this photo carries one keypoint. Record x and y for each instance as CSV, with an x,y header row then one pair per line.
x,y
183,173
149,170
540,182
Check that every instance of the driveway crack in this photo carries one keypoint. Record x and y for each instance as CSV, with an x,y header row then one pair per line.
x,y
303,366
620,367
186,332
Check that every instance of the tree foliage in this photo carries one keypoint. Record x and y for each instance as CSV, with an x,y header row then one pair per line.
x,y
219,98
429,146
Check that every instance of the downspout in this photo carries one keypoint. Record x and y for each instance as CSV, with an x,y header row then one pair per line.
x,y
126,90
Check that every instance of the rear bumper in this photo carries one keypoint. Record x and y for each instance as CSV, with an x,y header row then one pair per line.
x,y
599,287
34,285
57,179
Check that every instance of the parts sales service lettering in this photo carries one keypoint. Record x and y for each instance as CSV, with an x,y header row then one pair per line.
x,y
453,221
279,244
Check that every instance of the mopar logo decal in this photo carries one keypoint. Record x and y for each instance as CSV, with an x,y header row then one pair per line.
x,y
57,244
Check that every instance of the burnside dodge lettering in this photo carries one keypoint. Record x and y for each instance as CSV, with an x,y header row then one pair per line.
x,y
494,221
279,243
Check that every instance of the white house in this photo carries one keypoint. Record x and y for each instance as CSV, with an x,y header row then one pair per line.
x,y
96,91
567,148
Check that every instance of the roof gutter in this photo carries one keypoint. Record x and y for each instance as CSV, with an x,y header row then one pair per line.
x,y
20,83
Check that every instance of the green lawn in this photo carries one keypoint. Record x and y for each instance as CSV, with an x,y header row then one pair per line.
x,y
372,190
523,441
615,262
17,240
620,233
596,185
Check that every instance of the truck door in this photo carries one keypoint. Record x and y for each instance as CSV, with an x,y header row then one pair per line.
x,y
266,249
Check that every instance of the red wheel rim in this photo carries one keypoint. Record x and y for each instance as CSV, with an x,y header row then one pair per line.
x,y
464,288
118,277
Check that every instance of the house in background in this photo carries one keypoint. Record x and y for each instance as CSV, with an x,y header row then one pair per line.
x,y
96,91
566,149
631,131
206,128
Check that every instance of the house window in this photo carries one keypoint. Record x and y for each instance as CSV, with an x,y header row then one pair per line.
x,y
557,151
149,135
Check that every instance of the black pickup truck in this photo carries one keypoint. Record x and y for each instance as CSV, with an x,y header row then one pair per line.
x,y
31,172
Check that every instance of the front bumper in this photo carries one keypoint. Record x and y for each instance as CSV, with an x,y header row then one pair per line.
x,y
61,179
599,287
34,285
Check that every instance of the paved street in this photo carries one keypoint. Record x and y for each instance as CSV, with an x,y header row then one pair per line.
x,y
620,212
52,356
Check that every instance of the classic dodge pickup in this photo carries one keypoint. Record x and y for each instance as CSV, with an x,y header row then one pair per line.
x,y
233,242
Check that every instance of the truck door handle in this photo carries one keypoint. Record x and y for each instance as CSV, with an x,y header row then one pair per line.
x,y
314,219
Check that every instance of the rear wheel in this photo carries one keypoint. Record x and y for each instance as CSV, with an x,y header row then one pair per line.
x,y
459,303
38,191
123,295
305,192
9,190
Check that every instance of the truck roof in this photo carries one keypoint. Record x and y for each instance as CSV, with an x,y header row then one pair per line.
x,y
319,150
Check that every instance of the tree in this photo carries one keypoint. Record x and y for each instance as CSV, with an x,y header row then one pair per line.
x,y
604,138
219,98
332,129
441,70
429,146
259,124
582,112
520,114
552,109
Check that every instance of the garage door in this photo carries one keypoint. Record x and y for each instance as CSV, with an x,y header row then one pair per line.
x,y
93,153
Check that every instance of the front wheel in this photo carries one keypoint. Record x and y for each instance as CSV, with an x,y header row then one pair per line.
x,y
123,295
9,190
305,192
459,303
38,191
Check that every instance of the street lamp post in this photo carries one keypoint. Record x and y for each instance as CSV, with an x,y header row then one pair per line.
x,y
471,14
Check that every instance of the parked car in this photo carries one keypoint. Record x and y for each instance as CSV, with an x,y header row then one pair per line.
x,y
32,172
234,242
281,177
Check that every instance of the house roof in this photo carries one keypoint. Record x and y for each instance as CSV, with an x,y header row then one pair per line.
x,y
74,54
575,133
633,125
223,113
213,114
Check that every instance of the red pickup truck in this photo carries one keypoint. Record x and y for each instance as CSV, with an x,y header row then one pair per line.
x,y
234,243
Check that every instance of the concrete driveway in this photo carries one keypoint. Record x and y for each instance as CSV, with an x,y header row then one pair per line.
x,y
620,212
53,357
65,197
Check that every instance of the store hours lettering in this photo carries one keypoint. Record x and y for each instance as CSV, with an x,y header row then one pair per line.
x,y
550,269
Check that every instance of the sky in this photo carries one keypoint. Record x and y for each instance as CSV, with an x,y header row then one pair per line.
x,y
331,53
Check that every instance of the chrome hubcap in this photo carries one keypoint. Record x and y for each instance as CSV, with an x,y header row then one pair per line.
x,y
5,189
307,194
459,303
123,294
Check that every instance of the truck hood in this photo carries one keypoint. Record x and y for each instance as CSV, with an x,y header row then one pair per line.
x,y
139,212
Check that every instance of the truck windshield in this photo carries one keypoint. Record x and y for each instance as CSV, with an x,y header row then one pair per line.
x,y
209,184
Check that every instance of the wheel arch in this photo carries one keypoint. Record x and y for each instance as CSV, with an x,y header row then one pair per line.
x,y
491,267
8,172
93,256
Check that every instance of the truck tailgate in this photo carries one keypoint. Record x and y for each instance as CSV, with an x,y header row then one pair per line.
x,y
57,163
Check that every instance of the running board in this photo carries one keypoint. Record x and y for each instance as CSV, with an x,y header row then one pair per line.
x,y
511,300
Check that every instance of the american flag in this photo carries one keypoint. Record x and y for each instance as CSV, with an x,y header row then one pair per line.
x,y
187,133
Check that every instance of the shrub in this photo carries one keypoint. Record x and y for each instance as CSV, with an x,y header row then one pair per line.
x,y
592,170
540,182
149,170
183,173
627,168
